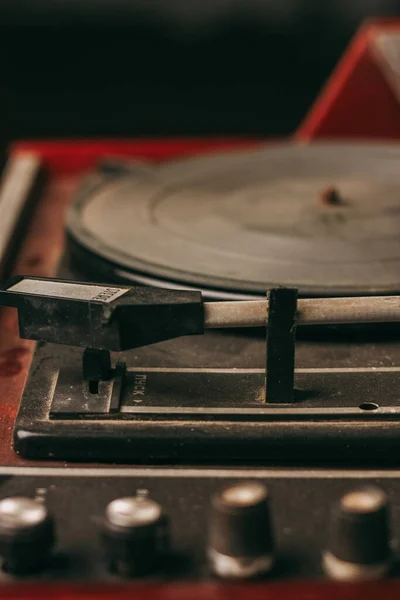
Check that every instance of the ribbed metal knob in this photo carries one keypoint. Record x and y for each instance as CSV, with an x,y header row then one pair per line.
x,y
359,536
135,535
240,535
26,535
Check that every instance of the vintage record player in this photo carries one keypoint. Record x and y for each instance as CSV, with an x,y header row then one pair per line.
x,y
214,391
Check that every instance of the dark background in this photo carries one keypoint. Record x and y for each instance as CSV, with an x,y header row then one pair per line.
x,y
169,67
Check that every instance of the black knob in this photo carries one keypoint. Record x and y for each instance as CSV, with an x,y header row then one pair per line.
x,y
359,536
26,535
135,535
240,537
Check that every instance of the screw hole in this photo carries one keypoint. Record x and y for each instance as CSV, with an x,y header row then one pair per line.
x,y
369,406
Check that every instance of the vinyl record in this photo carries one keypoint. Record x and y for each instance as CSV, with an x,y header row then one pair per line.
x,y
324,218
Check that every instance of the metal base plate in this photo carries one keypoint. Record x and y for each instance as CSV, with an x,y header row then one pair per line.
x,y
209,413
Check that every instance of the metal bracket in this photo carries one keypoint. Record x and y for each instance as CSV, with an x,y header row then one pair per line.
x,y
281,334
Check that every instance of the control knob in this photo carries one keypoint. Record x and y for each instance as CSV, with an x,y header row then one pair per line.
x,y
135,534
240,536
26,535
359,544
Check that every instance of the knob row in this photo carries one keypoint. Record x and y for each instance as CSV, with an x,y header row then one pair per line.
x,y
240,542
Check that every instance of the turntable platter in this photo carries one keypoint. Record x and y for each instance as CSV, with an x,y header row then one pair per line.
x,y
324,218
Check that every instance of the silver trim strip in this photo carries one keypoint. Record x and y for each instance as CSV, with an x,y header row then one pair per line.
x,y
182,472
249,371
16,185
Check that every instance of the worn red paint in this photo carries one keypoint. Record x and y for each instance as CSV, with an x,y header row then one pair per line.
x,y
10,361
71,157
14,353
298,590
10,368
9,320
33,261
